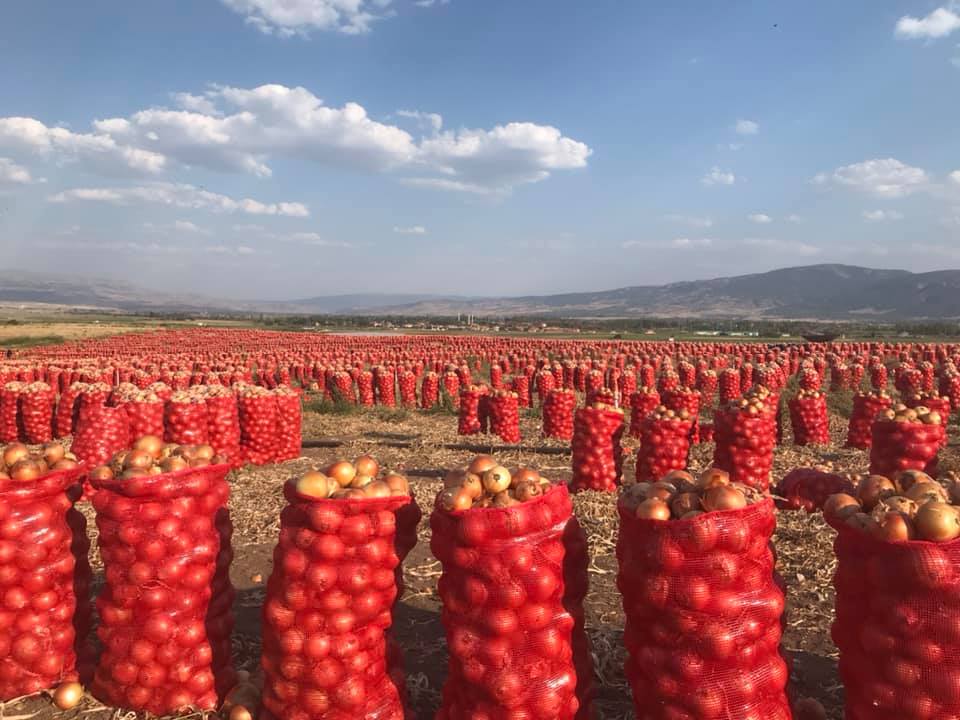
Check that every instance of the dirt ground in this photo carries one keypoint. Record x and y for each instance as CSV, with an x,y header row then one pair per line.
x,y
804,545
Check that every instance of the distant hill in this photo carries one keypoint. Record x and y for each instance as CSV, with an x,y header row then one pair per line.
x,y
815,292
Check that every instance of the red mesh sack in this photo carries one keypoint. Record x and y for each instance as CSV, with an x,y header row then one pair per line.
x,y
365,388
627,384
258,425
729,385
165,609
597,453
451,387
707,433
688,399
509,621
223,424
896,610
878,376
67,409
329,607
101,431
521,386
647,376
185,419
643,402
808,417
36,412
430,391
707,383
468,422
505,416
558,408
45,610
745,444
145,417
289,421
808,489
898,446
386,387
407,382
496,376
866,407
9,412
703,616
664,446
546,382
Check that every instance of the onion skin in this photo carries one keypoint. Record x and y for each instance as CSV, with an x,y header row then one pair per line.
x,y
68,695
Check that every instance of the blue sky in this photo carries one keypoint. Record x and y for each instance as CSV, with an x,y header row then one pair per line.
x,y
290,148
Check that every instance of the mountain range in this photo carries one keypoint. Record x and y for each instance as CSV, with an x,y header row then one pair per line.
x,y
813,292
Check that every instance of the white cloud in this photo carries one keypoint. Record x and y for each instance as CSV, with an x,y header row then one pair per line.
x,y
252,125
452,185
783,246
181,196
794,219
716,176
178,226
430,3
432,121
747,127
96,152
412,230
286,18
885,178
691,220
955,177
955,62
195,103
881,215
13,174
683,242
760,218
939,23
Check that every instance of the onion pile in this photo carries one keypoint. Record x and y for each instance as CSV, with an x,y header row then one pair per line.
x,y
898,597
185,418
809,419
149,455
866,407
44,573
223,423
343,480
23,464
165,610
878,375
386,384
512,587
504,407
67,409
145,409
484,483
707,383
664,443
681,496
407,382
451,386
558,408
597,454
330,598
906,439
687,399
746,436
521,386
911,506
702,602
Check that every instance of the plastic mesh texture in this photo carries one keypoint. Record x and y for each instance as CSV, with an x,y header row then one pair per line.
x,y
512,624
100,432
166,607
865,410
642,403
37,401
808,418
289,420
745,445
898,446
897,626
44,585
808,489
664,446
558,408
597,453
703,616
327,653
468,420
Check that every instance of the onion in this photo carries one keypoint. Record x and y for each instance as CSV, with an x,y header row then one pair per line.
x,y
151,444
496,479
366,465
874,489
315,484
343,472
938,522
841,506
713,477
723,497
68,695
653,509
482,463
